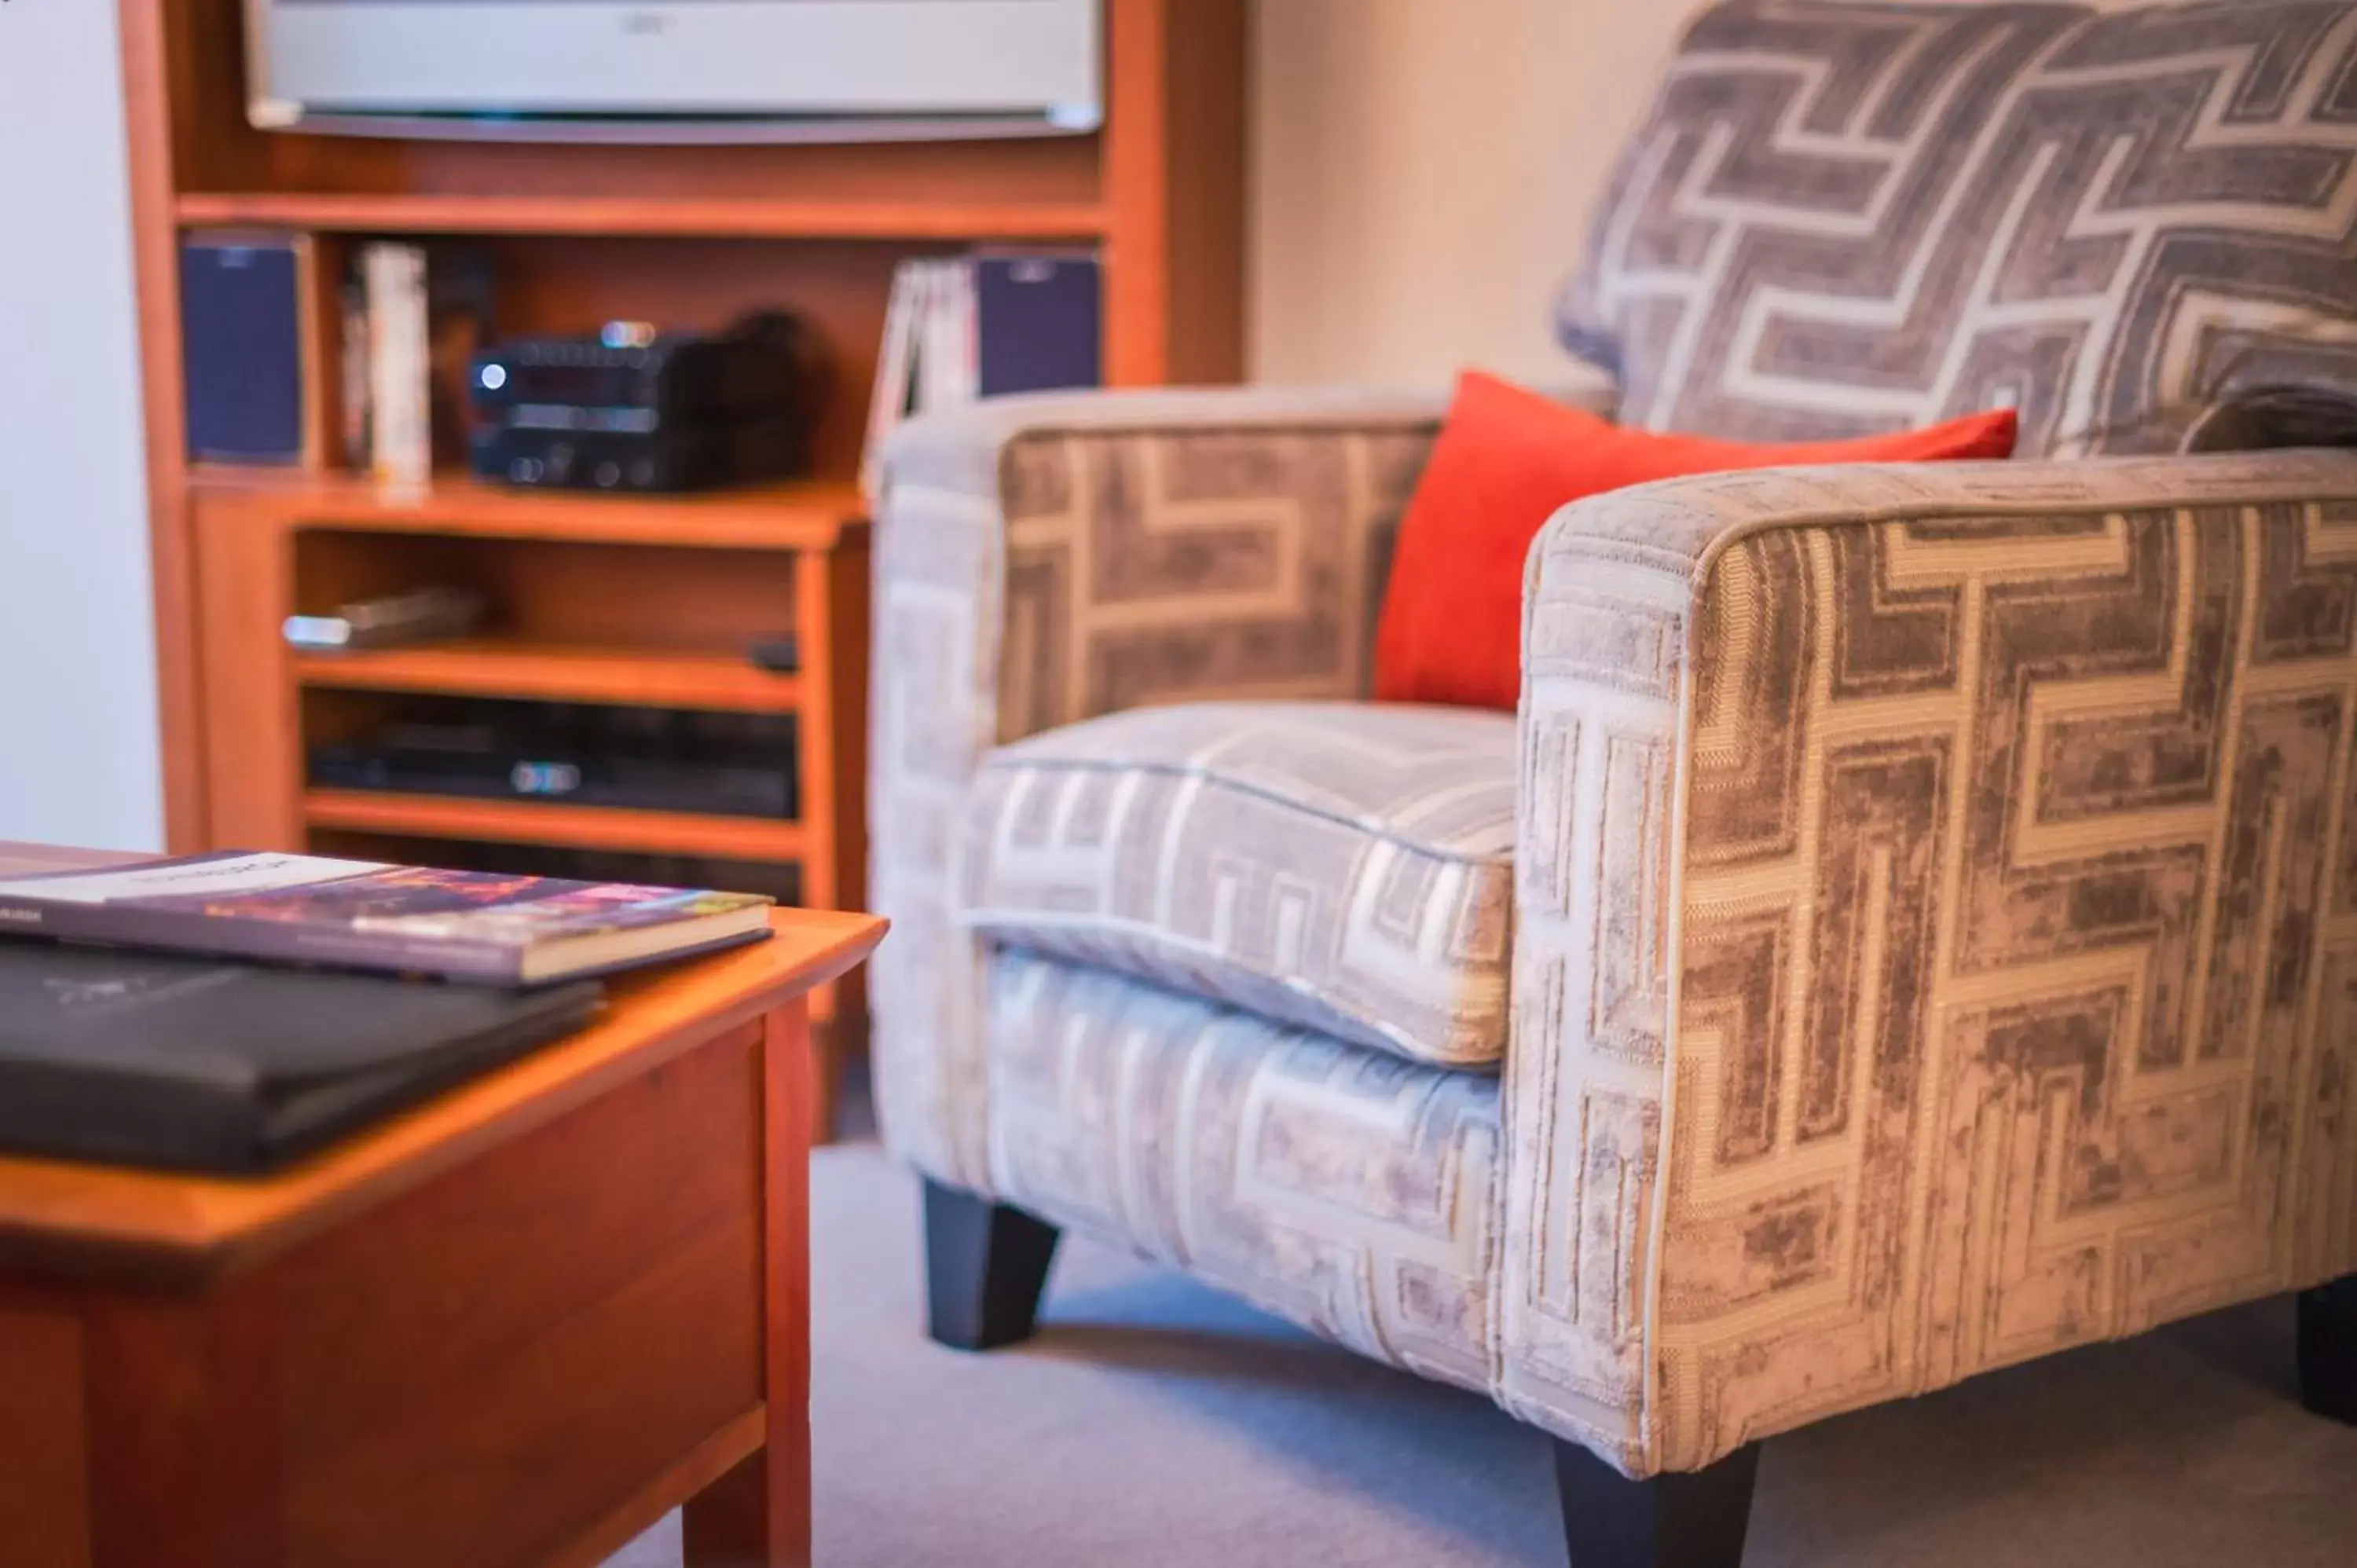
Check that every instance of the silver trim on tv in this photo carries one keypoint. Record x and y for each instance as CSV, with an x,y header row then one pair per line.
x,y
677,71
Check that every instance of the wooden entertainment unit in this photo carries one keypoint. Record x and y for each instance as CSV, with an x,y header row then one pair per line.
x,y
603,599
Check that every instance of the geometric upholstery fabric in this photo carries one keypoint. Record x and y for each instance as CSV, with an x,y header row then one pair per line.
x,y
1934,927
1345,867
1346,1189
1846,217
2013,1003
1042,560
1934,936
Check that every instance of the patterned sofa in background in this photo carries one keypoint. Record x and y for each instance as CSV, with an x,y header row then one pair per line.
x,y
1910,924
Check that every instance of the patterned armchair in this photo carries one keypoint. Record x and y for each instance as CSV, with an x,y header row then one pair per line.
x,y
1909,924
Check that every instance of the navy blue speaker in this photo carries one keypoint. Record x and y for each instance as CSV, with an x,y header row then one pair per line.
x,y
1036,322
241,343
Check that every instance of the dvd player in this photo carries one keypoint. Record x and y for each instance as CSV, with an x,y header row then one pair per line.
x,y
736,765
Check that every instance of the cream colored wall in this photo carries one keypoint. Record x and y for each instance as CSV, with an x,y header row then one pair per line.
x,y
1424,169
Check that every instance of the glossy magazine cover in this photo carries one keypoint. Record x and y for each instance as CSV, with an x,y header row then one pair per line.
x,y
465,924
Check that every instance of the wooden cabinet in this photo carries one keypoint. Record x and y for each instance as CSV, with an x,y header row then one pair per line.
x,y
613,602
516,1325
612,599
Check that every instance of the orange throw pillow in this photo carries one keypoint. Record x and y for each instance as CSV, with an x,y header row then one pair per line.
x,y
1506,460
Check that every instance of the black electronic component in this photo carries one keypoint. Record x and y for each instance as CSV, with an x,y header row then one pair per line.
x,y
780,655
645,759
633,409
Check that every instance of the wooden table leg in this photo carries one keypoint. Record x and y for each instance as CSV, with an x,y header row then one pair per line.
x,y
826,1050
758,1514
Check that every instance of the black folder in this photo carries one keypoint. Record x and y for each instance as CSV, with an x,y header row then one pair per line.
x,y
185,1064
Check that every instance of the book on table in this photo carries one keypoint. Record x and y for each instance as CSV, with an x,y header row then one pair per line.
x,y
483,927
190,1064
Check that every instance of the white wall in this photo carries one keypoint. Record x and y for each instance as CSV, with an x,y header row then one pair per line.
x,y
79,759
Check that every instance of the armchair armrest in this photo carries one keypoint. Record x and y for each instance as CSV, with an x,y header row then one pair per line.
x,y
1042,560
1933,942
1115,549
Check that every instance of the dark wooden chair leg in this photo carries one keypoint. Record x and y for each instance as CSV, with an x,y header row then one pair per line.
x,y
1687,1520
2328,1351
984,1266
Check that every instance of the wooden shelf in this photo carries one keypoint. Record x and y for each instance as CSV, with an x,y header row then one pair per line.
x,y
653,216
803,513
571,827
489,667
588,586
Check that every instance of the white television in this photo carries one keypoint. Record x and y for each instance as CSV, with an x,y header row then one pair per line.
x,y
676,70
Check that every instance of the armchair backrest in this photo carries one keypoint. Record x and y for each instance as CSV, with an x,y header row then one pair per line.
x,y
1843,217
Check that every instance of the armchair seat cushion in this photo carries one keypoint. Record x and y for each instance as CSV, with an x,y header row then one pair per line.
x,y
1343,867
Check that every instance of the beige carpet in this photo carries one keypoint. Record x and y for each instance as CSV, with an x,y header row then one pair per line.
x,y
1156,1424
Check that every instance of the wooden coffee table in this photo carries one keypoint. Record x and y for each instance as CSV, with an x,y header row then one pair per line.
x,y
517,1326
